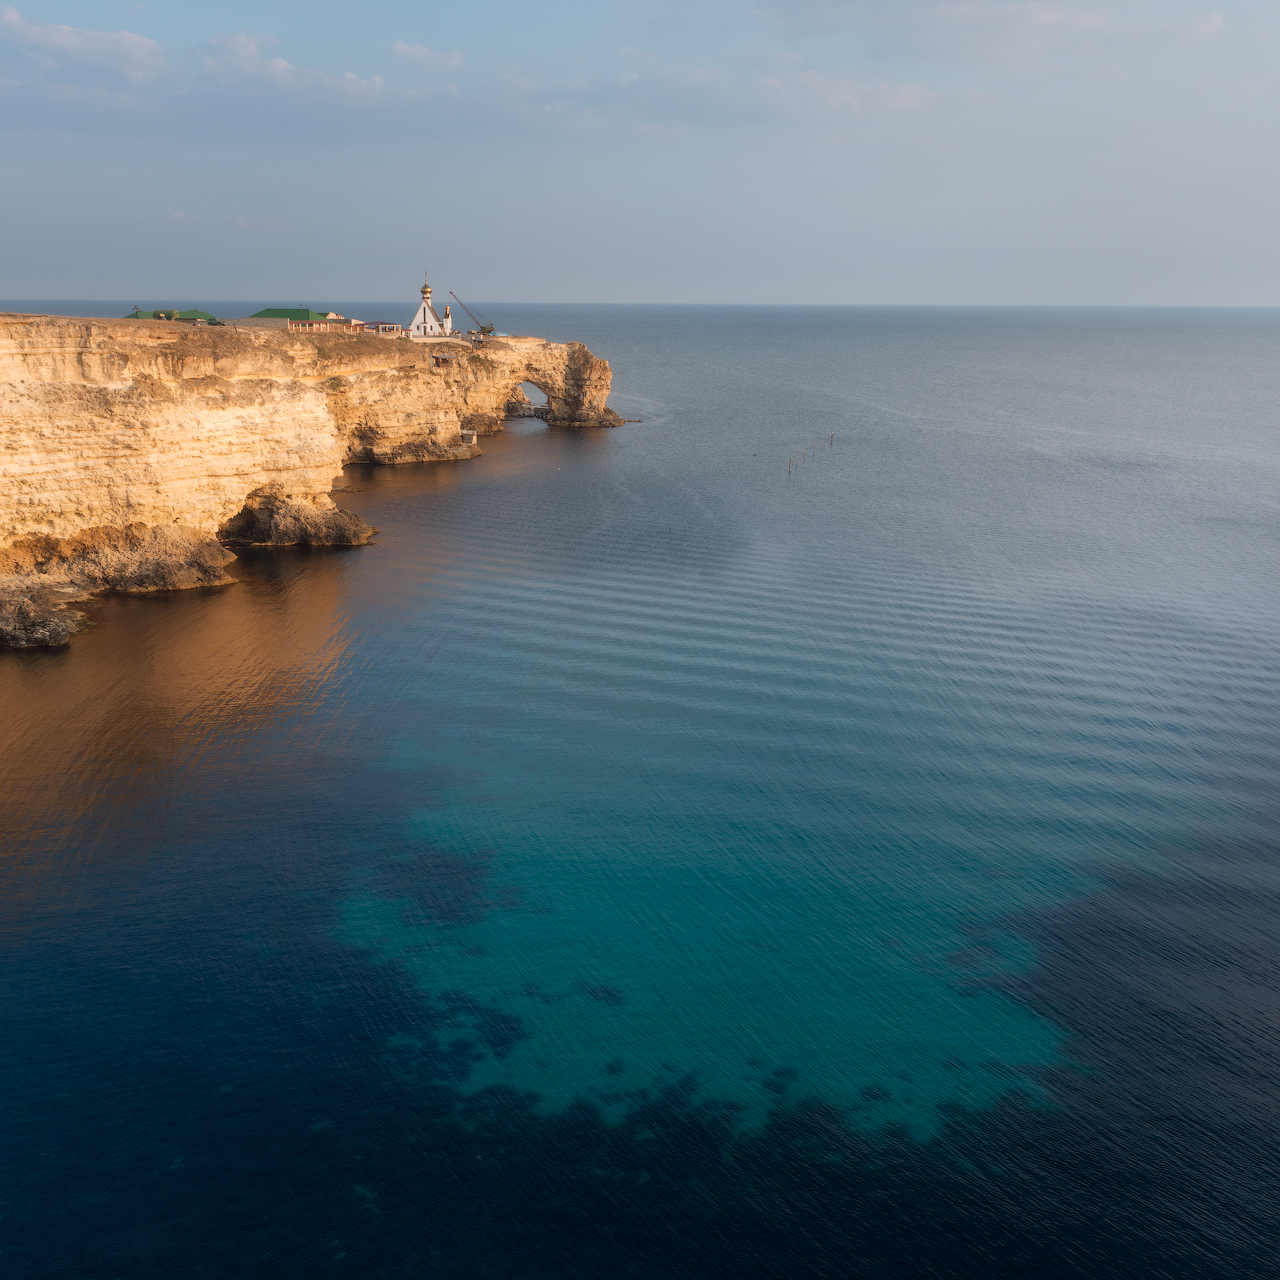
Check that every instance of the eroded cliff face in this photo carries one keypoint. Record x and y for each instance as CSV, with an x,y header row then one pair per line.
x,y
129,448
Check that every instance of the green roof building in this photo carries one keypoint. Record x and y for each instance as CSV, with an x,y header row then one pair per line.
x,y
168,314
297,315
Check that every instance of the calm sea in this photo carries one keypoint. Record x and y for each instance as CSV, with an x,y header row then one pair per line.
x,y
826,828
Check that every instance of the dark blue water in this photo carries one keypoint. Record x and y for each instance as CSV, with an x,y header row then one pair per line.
x,y
645,862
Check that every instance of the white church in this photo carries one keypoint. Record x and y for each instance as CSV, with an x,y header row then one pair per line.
x,y
426,324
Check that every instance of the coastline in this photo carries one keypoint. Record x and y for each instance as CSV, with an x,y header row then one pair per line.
x,y
136,455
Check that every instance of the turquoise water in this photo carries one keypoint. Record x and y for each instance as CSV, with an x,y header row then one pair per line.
x,y
647,859
744,847
763,773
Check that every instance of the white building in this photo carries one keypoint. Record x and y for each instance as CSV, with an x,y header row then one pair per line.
x,y
426,324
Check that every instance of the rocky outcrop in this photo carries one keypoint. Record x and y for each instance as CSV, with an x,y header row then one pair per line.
x,y
270,518
131,451
41,576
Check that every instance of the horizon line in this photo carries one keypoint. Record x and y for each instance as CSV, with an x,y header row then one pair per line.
x,y
992,306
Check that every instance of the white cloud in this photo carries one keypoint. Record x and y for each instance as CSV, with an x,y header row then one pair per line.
x,y
241,57
136,57
800,90
767,88
429,58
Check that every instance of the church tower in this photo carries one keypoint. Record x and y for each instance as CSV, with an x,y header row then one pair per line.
x,y
426,324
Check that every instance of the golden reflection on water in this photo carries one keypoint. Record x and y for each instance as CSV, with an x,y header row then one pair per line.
x,y
164,695
171,699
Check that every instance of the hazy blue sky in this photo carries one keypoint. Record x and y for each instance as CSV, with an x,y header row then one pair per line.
x,y
1106,151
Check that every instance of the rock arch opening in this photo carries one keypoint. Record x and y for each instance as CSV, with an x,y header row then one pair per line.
x,y
528,400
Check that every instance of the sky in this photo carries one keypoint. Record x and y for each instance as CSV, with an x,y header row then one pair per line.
x,y
1107,152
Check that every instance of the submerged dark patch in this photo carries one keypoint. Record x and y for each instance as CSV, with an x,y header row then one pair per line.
x,y
445,888
602,993
500,1031
1159,1158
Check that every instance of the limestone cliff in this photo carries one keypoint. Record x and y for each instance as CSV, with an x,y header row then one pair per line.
x,y
130,451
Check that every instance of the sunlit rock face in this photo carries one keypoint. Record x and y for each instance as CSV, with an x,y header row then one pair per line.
x,y
205,433
575,382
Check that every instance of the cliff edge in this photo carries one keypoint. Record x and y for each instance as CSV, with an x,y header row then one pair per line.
x,y
134,453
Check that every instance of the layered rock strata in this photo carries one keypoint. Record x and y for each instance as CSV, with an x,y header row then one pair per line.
x,y
132,452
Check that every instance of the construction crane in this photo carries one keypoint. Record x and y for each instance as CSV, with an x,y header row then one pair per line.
x,y
484,330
